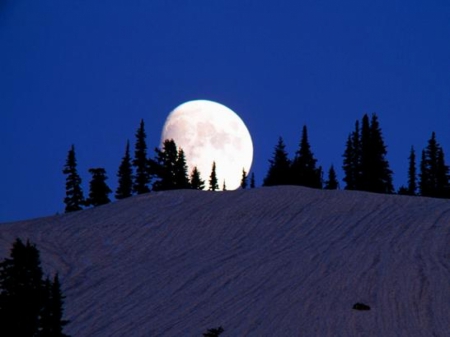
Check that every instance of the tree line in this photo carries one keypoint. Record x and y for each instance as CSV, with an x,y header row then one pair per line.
x,y
166,171
365,165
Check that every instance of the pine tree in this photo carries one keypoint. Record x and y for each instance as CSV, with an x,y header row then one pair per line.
x,y
125,175
279,169
303,168
434,177
140,162
169,168
224,186
213,183
244,180
412,175
196,182
332,182
352,160
252,180
181,171
29,306
74,199
52,322
98,189
21,296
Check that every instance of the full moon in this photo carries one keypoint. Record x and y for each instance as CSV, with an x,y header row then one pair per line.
x,y
210,132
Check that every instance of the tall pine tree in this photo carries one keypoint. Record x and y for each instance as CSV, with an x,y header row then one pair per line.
x,y
434,174
98,189
213,183
125,175
181,172
74,199
196,182
412,174
252,180
303,169
52,322
244,180
332,182
352,160
279,169
140,162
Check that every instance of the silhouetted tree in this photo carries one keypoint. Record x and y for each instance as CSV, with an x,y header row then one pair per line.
x,y
21,296
140,162
98,189
252,180
169,168
434,178
332,182
303,169
125,175
213,332
412,174
181,172
352,160
52,322
279,169
74,199
224,186
196,182
213,183
244,179
365,166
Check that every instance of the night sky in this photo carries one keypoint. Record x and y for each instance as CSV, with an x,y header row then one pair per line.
x,y
85,73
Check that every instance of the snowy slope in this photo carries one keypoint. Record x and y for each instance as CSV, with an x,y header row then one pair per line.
x,y
281,261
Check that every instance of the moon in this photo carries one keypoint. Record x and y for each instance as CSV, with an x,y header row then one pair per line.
x,y
210,132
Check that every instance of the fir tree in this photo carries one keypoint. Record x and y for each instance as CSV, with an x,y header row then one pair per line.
x,y
169,168
140,162
125,175
303,168
98,189
332,182
279,169
434,178
252,180
244,180
74,199
52,322
352,160
224,186
181,171
21,296
213,183
196,182
412,175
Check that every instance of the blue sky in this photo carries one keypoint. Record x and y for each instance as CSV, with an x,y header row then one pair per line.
x,y
85,73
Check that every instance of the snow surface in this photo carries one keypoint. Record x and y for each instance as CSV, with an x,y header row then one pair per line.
x,y
280,261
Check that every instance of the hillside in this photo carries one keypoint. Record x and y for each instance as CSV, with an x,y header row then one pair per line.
x,y
280,261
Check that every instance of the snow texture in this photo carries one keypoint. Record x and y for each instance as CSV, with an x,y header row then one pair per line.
x,y
280,261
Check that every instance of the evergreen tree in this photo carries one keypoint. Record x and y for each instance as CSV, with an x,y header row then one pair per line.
x,y
252,180
434,178
52,322
365,166
196,182
140,162
169,168
181,171
213,183
412,175
21,296
125,175
98,189
352,160
279,169
244,180
74,199
224,186
303,168
332,182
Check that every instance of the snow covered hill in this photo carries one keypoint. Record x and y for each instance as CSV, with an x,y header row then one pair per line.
x,y
280,261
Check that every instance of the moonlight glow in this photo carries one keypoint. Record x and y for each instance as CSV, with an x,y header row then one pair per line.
x,y
208,131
